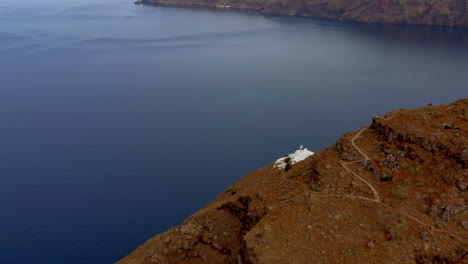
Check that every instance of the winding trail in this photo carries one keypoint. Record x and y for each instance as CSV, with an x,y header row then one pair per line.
x,y
433,227
366,159
375,192
353,142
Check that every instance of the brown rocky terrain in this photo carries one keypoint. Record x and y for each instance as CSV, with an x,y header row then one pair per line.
x,y
426,12
393,192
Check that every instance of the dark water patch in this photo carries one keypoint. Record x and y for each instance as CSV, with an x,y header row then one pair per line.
x,y
7,38
408,34
212,39
20,50
139,49
208,36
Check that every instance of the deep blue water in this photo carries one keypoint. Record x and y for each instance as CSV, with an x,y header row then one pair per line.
x,y
118,121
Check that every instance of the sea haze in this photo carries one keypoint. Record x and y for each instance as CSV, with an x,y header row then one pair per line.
x,y
118,121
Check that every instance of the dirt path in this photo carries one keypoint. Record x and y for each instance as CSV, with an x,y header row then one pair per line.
x,y
375,192
433,227
366,158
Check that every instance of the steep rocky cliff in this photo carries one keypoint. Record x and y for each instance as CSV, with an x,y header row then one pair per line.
x,y
393,192
427,12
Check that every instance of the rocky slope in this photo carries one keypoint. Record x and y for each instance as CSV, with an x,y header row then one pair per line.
x,y
393,192
427,12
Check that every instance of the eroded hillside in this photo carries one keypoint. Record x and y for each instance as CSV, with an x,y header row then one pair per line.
x,y
393,192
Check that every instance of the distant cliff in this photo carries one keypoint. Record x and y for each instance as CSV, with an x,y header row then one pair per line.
x,y
393,192
426,12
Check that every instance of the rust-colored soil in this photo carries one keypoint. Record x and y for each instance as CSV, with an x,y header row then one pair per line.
x,y
393,192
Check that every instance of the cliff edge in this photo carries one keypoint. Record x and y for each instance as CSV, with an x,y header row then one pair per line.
x,y
393,192
425,12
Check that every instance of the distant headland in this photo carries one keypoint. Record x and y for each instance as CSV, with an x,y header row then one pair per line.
x,y
423,12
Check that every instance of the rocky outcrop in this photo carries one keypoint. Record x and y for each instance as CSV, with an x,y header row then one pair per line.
x,y
394,192
426,12
425,135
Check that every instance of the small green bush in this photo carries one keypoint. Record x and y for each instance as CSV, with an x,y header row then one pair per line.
x,y
425,209
400,194
288,162
397,229
388,172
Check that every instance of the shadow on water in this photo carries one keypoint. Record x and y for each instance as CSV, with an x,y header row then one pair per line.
x,y
437,36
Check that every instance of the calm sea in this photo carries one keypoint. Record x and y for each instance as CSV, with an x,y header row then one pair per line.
x,y
118,121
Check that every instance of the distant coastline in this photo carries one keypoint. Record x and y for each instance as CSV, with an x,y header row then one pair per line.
x,y
431,12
